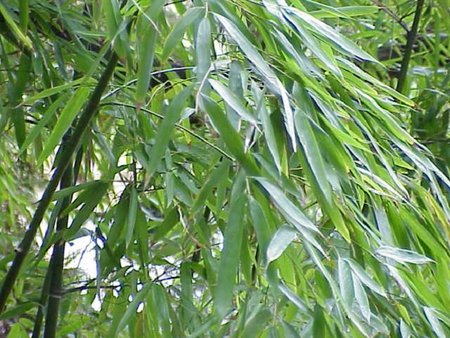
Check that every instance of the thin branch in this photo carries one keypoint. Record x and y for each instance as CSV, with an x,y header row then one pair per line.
x,y
391,14
179,126
411,38
61,165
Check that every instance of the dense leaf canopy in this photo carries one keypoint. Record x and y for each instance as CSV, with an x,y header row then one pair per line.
x,y
235,168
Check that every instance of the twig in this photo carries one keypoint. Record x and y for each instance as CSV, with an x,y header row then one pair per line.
x,y
179,126
392,15
411,38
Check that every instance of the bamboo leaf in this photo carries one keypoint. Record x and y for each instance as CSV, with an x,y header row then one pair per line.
x,y
402,255
93,197
325,31
132,212
178,31
230,136
165,130
230,255
14,28
65,120
231,99
299,303
146,50
280,241
203,49
365,278
130,311
436,325
38,128
286,207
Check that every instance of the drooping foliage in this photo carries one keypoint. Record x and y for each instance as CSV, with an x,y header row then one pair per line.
x,y
239,168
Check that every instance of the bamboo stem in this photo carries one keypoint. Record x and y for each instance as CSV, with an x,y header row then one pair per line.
x,y
411,38
61,165
56,266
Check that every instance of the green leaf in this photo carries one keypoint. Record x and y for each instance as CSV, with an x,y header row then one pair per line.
x,y
17,331
299,303
54,90
76,188
177,33
230,136
268,128
436,325
14,28
365,278
38,128
146,45
402,255
130,312
312,150
361,298
203,49
116,29
259,222
320,50
234,102
293,214
165,130
65,120
345,283
256,323
343,12
280,241
132,211
264,69
229,261
217,175
319,323
170,220
93,196
318,27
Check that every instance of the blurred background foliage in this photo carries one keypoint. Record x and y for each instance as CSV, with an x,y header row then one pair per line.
x,y
253,168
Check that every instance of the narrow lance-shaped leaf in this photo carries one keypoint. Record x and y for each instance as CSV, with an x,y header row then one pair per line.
x,y
179,29
289,210
93,198
365,278
203,49
66,118
230,136
230,255
280,241
345,283
39,127
14,28
318,27
268,128
402,255
234,102
165,130
146,45
269,76
361,298
132,211
130,311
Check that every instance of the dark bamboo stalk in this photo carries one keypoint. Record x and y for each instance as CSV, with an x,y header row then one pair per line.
x,y
410,39
62,163
56,267
68,179
42,303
